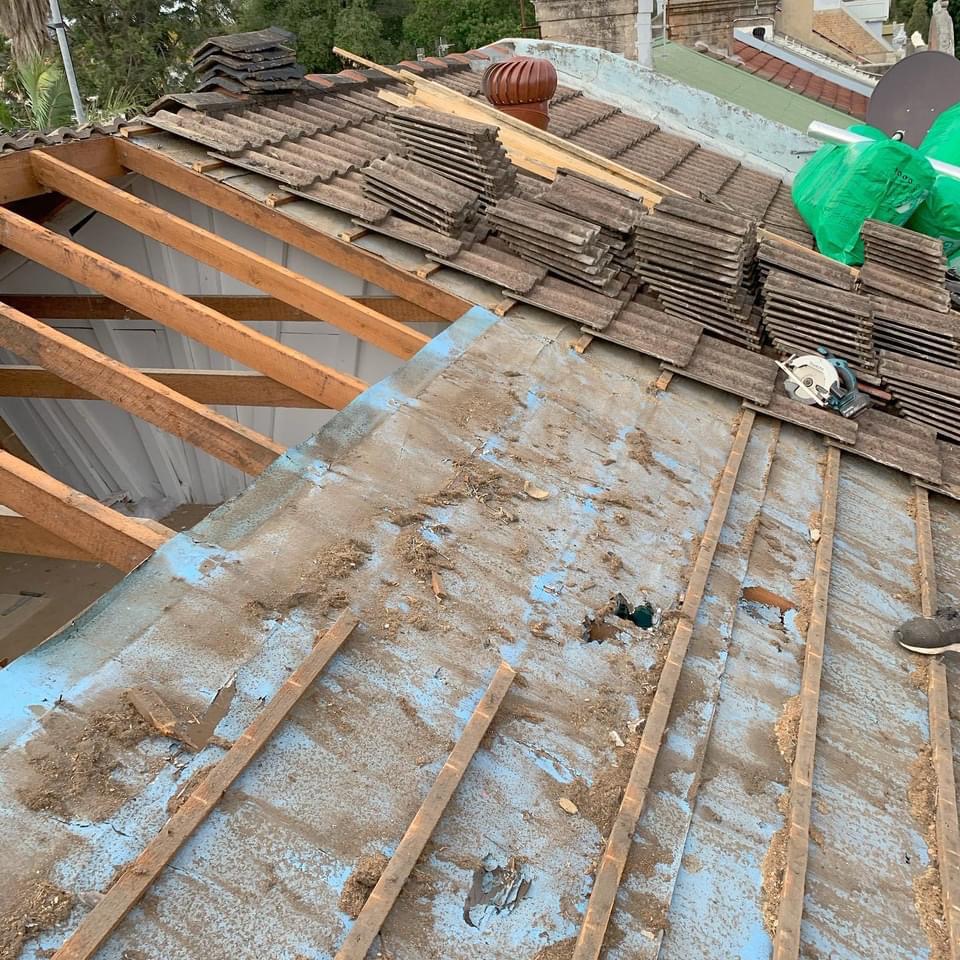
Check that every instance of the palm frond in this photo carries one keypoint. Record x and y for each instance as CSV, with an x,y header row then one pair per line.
x,y
46,94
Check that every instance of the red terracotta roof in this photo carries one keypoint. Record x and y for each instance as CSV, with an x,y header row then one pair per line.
x,y
800,81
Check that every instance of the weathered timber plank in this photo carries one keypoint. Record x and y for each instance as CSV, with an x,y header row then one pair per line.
x,y
136,393
110,537
131,885
388,887
610,870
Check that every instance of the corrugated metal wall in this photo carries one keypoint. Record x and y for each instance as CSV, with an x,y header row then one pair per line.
x,y
106,452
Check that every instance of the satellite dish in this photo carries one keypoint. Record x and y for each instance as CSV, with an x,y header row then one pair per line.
x,y
913,93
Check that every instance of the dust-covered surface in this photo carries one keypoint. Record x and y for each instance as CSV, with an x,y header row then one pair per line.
x,y
786,730
927,889
361,882
773,869
73,761
37,906
414,508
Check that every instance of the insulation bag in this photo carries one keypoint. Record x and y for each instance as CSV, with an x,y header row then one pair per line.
x,y
939,215
841,187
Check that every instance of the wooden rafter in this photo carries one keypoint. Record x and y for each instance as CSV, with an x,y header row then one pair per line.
x,y
136,879
180,313
22,536
786,942
284,226
247,309
106,535
212,387
230,258
135,392
947,826
17,180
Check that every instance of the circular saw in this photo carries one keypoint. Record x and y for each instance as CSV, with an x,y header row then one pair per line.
x,y
823,380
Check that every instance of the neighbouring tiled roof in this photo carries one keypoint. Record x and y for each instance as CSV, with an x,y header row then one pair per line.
x,y
848,33
794,78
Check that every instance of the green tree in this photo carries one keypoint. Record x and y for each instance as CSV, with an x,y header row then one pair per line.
x,y
39,98
384,30
359,29
140,46
919,21
463,24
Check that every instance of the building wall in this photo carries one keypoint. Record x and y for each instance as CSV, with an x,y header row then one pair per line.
x,y
613,27
109,454
594,23
713,21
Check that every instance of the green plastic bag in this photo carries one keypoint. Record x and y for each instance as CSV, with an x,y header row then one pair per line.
x,y
841,187
942,141
939,215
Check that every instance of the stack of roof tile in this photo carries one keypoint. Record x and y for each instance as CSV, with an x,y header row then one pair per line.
x,y
699,260
615,211
643,325
491,261
461,150
567,245
417,193
775,253
924,392
915,332
588,307
258,62
905,265
801,315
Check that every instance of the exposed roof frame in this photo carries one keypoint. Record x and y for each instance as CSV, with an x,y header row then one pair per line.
x,y
214,387
17,181
109,157
280,225
137,393
245,308
180,313
105,534
230,258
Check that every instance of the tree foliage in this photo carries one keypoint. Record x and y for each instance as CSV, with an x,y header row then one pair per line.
x,y
919,21
40,98
142,46
125,52
385,30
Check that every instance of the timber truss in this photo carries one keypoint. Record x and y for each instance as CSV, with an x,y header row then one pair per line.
x,y
44,516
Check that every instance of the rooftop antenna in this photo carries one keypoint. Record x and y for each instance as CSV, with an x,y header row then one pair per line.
x,y
442,48
56,21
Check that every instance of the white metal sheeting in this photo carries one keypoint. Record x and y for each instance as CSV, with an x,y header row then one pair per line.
x,y
107,453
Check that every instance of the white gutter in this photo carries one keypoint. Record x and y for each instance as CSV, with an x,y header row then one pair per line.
x,y
827,133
